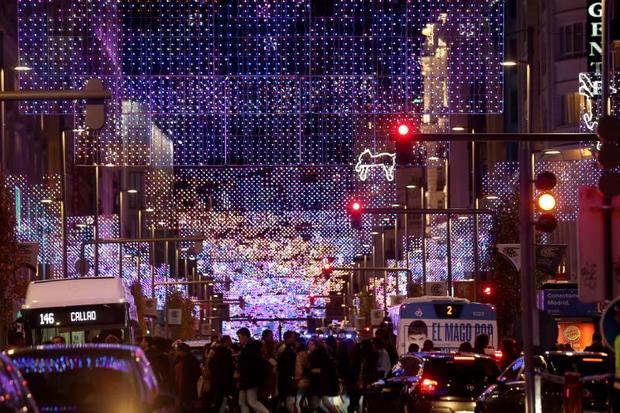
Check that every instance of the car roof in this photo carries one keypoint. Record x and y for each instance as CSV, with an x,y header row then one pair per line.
x,y
548,354
437,355
197,343
54,350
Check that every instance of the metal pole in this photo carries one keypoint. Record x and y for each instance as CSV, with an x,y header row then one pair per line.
x,y
63,237
449,252
476,258
16,95
120,232
138,249
96,234
526,237
165,280
385,280
152,259
63,188
396,253
406,230
2,124
527,281
474,190
423,226
365,278
605,84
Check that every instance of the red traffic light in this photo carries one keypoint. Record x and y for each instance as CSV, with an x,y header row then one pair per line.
x,y
355,213
487,290
403,129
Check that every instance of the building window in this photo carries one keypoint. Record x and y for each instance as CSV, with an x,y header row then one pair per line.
x,y
572,40
571,108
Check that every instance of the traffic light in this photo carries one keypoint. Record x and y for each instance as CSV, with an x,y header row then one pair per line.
x,y
487,292
326,270
403,141
546,202
355,210
609,155
403,129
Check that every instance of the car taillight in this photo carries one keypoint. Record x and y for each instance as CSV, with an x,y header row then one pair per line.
x,y
498,354
428,386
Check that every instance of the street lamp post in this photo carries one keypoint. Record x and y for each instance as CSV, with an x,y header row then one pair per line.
x,y
526,237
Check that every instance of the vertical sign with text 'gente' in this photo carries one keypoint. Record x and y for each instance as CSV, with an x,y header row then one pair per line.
x,y
594,35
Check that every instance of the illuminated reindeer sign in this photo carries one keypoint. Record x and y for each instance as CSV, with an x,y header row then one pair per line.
x,y
367,160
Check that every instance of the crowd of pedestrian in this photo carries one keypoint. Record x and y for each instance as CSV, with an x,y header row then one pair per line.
x,y
298,374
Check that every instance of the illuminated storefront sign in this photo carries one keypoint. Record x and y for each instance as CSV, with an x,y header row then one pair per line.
x,y
594,35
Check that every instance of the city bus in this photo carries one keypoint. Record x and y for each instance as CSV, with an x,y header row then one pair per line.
x,y
447,321
80,310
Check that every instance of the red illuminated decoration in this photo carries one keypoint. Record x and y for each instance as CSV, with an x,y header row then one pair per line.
x,y
327,270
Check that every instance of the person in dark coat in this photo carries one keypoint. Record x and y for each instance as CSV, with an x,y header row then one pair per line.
x,y
287,390
187,371
323,374
221,363
160,363
251,372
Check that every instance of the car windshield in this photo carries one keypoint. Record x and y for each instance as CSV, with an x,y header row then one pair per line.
x,y
461,376
586,365
80,382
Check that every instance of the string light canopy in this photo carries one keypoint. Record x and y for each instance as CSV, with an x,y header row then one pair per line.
x,y
257,82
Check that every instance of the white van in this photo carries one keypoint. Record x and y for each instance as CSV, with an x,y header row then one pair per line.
x,y
79,309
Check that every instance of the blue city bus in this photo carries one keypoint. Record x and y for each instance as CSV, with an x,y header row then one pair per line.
x,y
447,321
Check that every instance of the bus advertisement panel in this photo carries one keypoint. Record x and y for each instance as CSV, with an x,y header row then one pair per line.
x,y
446,323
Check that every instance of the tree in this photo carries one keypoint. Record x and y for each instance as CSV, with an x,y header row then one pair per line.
x,y
12,286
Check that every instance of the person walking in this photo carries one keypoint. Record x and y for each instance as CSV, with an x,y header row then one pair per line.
x,y
250,372
384,365
267,390
481,343
302,379
222,368
159,362
323,375
286,372
186,373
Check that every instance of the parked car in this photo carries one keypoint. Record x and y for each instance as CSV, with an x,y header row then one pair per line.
x,y
434,382
14,393
91,378
508,394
